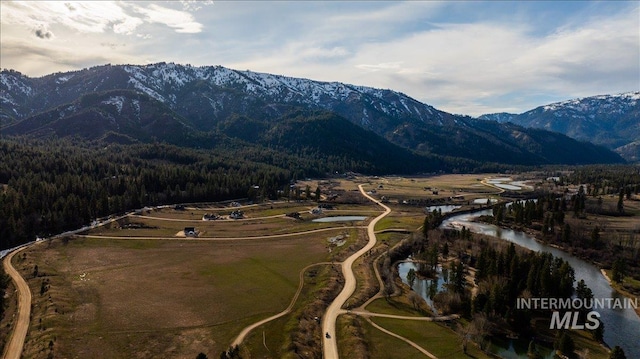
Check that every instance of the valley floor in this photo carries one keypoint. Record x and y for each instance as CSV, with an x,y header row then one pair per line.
x,y
132,287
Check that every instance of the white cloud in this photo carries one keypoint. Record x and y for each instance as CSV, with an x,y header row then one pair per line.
x,y
464,57
96,16
85,17
181,21
475,67
195,5
381,66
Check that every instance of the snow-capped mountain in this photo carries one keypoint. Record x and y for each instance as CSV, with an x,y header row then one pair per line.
x,y
609,120
201,92
179,103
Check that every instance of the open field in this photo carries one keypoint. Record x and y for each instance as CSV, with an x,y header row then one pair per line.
x,y
394,306
261,221
434,337
409,218
168,296
427,188
446,186
135,226
299,331
155,298
193,213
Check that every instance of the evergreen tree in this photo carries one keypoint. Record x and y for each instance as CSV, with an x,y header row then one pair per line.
x,y
411,277
566,233
620,201
617,353
565,344
618,270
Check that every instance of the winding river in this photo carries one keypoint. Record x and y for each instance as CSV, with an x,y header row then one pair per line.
x,y
621,326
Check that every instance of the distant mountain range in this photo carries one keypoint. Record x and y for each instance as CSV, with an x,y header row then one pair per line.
x,y
609,120
205,107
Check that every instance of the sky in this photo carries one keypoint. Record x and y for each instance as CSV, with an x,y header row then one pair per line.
x,y
463,57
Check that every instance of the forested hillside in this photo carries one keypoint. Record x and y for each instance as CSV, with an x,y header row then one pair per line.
x,y
50,186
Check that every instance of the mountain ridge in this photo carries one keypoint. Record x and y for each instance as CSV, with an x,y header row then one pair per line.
x,y
188,102
609,120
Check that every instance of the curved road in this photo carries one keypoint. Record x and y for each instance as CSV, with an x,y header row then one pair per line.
x,y
13,350
419,348
240,338
330,347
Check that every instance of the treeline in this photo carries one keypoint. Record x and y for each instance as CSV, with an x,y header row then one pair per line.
x,y
502,273
48,187
503,276
563,221
601,180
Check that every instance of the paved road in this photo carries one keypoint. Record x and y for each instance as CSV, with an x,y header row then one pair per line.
x,y
13,350
330,347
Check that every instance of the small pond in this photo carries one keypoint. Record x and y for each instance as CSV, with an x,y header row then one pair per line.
x,y
444,208
508,186
427,288
484,200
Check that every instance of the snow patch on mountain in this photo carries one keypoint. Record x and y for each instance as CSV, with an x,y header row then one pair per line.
x,y
63,79
136,108
604,102
117,101
12,83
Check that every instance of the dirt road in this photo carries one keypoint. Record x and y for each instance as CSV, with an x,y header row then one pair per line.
x,y
421,349
13,350
240,338
330,347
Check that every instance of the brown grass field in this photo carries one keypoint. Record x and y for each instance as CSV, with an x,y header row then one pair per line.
x,y
158,298
126,297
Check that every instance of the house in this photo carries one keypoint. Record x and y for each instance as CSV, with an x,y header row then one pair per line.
x,y
295,215
190,232
210,217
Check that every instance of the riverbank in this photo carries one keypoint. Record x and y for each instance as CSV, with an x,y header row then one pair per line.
x,y
620,289
623,327
536,236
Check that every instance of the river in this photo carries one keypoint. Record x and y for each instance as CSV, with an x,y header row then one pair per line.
x,y
621,326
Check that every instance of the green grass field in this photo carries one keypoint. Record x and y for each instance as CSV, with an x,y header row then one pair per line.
x,y
434,337
154,298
